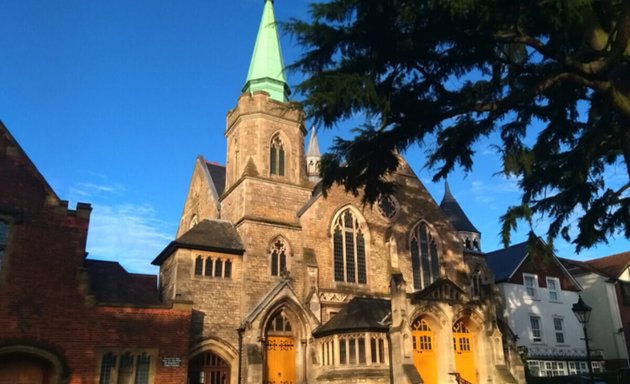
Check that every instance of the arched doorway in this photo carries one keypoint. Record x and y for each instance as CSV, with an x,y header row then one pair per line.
x,y
464,348
280,351
21,368
424,351
208,368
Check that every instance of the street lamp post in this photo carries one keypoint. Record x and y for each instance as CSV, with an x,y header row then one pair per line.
x,y
583,314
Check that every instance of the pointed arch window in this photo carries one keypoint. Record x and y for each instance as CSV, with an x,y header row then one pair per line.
x,y
424,257
349,249
278,257
277,156
475,287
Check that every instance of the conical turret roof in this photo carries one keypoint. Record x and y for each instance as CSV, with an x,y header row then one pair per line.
x,y
266,70
455,213
313,145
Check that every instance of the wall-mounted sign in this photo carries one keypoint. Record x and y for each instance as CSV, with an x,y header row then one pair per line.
x,y
171,361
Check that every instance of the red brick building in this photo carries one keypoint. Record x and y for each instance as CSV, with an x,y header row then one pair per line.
x,y
66,319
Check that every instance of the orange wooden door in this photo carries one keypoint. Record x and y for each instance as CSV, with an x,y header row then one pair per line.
x,y
280,360
463,345
21,373
424,351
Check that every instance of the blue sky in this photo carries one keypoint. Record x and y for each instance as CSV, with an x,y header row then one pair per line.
x,y
113,100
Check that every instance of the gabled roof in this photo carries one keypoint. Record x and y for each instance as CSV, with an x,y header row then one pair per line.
x,y
5,135
610,266
455,213
613,265
208,235
111,283
506,261
360,314
217,176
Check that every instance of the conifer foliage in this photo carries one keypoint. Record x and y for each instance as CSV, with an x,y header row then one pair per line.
x,y
550,77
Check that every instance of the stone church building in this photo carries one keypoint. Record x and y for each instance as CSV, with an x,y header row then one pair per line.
x,y
289,286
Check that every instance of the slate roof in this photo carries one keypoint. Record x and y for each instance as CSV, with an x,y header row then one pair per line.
x,y
505,261
360,314
111,283
208,235
217,174
455,213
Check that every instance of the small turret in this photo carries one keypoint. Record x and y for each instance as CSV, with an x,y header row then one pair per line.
x,y
470,236
313,157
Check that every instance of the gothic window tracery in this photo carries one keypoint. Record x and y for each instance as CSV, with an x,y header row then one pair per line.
x,y
476,283
276,156
424,257
278,253
349,249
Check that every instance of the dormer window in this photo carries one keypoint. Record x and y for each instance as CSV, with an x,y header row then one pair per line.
x,y
531,284
553,286
276,157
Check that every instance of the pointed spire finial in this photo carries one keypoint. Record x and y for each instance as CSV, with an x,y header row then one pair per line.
x,y
447,193
266,70
313,144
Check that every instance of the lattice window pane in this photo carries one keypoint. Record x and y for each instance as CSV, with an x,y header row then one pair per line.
x,y
142,369
415,264
350,268
361,258
338,253
108,363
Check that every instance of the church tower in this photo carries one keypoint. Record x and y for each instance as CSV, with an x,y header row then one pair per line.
x,y
265,139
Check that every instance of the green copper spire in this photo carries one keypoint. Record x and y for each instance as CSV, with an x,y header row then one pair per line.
x,y
266,70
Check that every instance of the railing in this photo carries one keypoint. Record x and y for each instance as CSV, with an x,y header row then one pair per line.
x,y
459,379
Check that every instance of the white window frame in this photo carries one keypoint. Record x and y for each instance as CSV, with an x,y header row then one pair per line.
x,y
553,292
536,333
533,290
559,331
